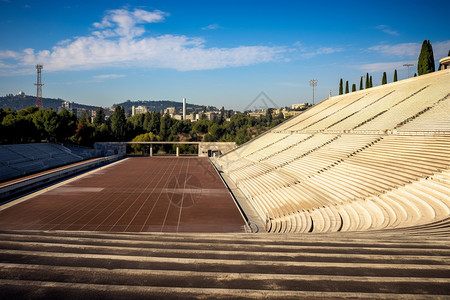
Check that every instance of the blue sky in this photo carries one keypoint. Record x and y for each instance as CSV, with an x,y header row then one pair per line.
x,y
221,53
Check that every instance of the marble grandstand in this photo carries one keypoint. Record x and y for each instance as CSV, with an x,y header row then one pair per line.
x,y
373,159
357,189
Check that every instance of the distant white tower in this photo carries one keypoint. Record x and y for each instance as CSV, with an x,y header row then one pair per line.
x,y
184,108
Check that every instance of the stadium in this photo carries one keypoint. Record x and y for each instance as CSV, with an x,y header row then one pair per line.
x,y
349,199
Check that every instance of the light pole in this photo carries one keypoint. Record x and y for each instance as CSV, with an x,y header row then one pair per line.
x,y
313,83
408,65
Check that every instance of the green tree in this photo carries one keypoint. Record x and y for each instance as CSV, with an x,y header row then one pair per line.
x,y
46,122
353,87
146,124
201,127
17,129
346,87
425,62
67,124
84,118
269,117
84,134
99,117
395,75
215,131
361,84
384,79
102,133
341,87
181,127
118,123
164,130
242,136
146,137
367,81
209,138
370,81
155,123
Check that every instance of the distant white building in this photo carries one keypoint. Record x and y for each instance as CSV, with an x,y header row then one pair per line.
x,y
191,117
298,106
67,105
210,115
137,110
170,110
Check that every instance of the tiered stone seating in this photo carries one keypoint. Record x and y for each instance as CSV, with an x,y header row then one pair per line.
x,y
403,110
22,159
435,119
363,161
338,105
404,264
401,97
233,159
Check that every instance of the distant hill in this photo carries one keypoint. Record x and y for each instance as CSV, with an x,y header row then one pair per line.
x,y
161,105
18,102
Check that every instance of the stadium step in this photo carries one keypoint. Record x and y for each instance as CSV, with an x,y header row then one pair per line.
x,y
40,264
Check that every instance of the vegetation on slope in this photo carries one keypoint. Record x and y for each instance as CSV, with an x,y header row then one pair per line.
x,y
36,125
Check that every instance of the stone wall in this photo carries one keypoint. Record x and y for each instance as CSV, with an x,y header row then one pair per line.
x,y
110,148
217,149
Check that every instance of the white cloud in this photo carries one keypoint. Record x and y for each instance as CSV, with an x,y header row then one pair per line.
x,y
403,49
124,22
120,42
320,51
384,66
409,50
7,54
387,29
310,52
212,27
440,49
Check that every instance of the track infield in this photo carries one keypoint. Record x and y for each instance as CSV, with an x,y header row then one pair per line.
x,y
141,194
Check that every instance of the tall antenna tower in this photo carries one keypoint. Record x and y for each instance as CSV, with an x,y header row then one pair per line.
x,y
39,85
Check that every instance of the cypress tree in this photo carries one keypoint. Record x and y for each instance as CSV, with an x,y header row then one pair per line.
x,y
448,53
360,84
430,50
395,75
341,87
425,63
384,79
370,82
353,87
367,80
415,74
346,87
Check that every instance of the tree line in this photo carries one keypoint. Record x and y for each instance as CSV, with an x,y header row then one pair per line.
x,y
425,65
36,125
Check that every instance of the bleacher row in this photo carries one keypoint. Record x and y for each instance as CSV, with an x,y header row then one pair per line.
x,y
372,159
23,159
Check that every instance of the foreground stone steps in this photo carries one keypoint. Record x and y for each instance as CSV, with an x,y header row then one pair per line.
x,y
38,264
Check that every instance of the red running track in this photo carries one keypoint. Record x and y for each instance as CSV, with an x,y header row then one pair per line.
x,y
135,195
